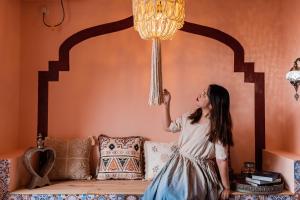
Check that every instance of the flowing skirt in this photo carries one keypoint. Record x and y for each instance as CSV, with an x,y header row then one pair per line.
x,y
184,178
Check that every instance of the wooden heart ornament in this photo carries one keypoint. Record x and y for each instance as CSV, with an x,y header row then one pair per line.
x,y
45,159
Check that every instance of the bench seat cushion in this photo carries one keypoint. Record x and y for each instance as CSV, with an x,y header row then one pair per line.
x,y
90,187
108,189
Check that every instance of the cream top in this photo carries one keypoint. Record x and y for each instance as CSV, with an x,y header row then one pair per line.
x,y
194,139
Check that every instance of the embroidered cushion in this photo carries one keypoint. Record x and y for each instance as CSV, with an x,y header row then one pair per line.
x,y
72,158
157,154
120,158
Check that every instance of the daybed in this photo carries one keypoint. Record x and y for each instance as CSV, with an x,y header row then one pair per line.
x,y
13,176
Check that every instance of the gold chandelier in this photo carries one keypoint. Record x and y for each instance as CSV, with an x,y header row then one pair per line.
x,y
157,20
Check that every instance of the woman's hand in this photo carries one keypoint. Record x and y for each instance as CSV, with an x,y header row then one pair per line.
x,y
225,194
166,97
223,169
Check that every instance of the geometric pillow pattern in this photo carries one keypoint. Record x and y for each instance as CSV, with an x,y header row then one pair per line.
x,y
157,154
120,158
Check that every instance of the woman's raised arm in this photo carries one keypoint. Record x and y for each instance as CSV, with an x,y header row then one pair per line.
x,y
167,117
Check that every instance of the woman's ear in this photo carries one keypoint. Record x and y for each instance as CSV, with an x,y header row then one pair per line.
x,y
209,106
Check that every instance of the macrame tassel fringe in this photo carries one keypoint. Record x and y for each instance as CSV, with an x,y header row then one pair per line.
x,y
156,93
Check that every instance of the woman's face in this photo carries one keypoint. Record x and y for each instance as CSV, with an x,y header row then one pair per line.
x,y
202,100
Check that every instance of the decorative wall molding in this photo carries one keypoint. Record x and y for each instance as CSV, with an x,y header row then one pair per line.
x,y
239,66
63,65
258,78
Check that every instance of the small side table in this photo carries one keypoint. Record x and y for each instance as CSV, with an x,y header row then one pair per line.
x,y
39,178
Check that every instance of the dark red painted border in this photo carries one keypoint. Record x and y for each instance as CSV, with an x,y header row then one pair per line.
x,y
63,65
250,76
239,66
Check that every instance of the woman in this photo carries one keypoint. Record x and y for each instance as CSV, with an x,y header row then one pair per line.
x,y
190,174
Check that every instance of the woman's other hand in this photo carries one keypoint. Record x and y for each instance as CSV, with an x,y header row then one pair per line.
x,y
166,97
225,194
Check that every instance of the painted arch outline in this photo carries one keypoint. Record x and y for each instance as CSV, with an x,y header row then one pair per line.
x,y
63,64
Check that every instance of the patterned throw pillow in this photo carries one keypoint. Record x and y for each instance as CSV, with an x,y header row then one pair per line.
x,y
120,158
72,158
157,154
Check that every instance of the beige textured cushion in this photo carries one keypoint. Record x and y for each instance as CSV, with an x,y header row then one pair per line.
x,y
120,158
157,154
72,158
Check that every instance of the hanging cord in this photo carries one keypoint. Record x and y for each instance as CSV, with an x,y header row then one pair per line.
x,y
62,19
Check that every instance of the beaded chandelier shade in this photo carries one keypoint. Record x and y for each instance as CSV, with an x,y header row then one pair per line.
x,y
157,20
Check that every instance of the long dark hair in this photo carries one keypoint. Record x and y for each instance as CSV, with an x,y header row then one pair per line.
x,y
220,118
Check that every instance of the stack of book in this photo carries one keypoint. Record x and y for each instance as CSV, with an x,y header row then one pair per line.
x,y
264,178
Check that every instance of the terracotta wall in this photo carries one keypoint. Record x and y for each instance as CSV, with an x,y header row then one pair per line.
x,y
107,88
10,74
